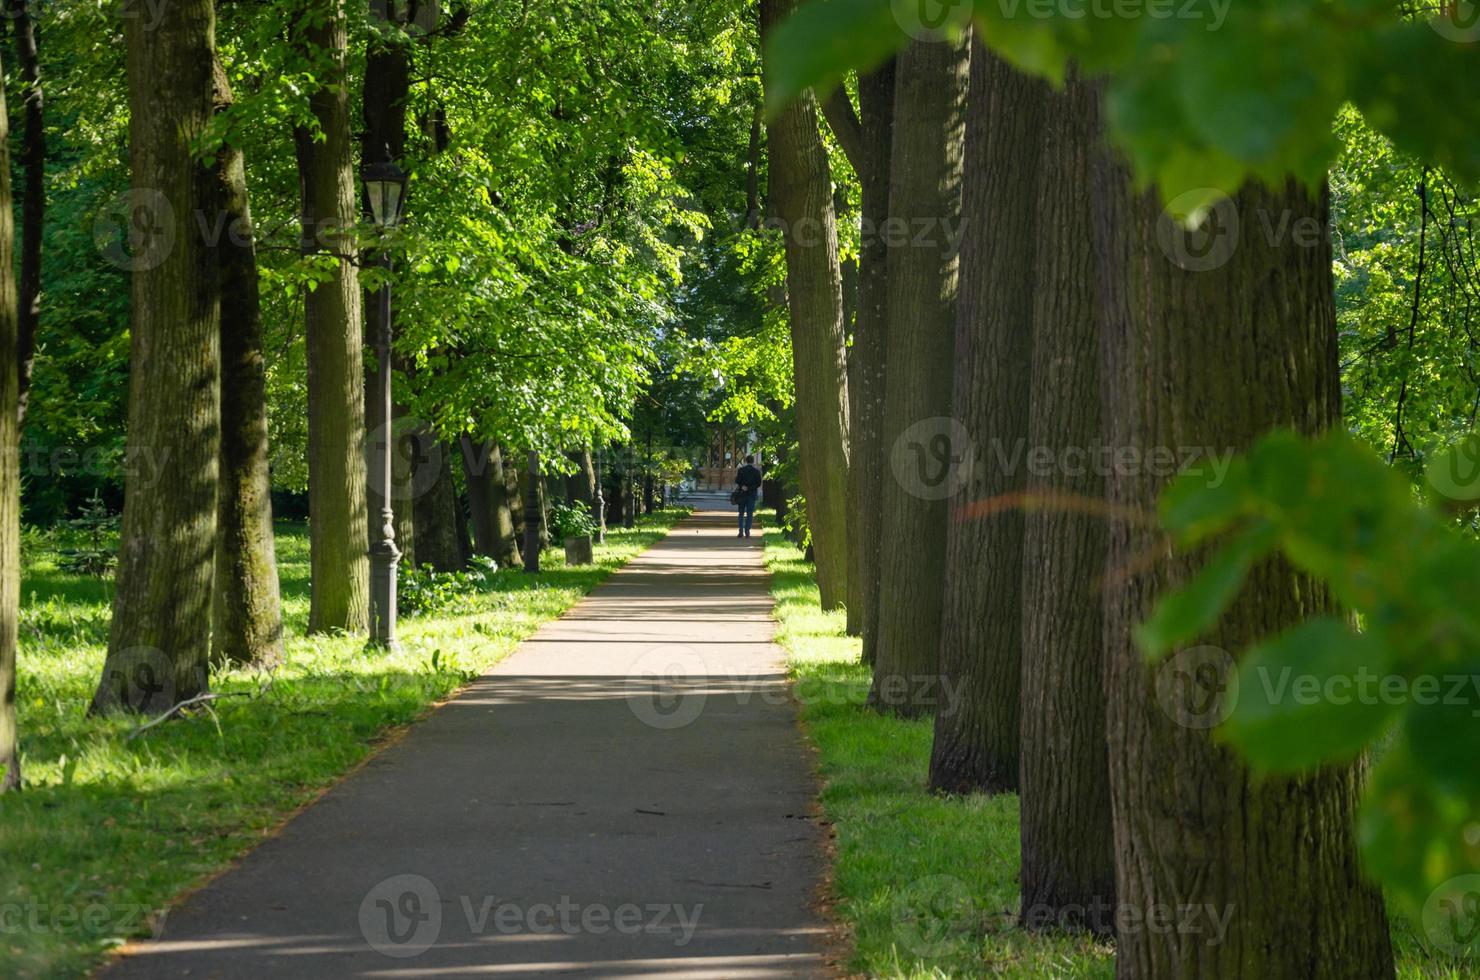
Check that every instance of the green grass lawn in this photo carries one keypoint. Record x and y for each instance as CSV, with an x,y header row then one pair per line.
x,y
109,830
927,886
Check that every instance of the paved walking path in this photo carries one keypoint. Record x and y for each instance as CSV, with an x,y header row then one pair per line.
x,y
627,795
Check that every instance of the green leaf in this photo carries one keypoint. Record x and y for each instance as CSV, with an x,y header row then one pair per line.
x,y
818,44
1183,615
1203,501
1443,726
1317,693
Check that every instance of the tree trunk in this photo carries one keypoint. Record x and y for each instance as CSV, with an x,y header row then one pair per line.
x,y
506,540
1068,864
477,471
801,197
247,622
580,486
925,193
514,496
33,194
1215,355
159,642
866,356
533,525
338,528
976,740
435,503
10,469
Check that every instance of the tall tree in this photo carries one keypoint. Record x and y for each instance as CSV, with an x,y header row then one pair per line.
x,y
338,528
159,640
976,741
505,535
925,171
247,622
1214,355
33,195
10,469
1068,863
800,190
867,137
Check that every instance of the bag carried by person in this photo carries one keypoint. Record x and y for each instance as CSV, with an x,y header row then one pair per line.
x,y
735,496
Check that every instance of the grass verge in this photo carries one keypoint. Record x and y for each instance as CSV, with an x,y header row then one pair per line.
x,y
927,886
109,829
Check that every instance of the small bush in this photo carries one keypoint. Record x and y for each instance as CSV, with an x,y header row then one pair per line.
x,y
570,521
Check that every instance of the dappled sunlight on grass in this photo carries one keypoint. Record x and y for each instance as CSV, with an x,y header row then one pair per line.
x,y
122,825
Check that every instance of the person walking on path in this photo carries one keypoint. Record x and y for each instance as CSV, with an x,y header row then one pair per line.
x,y
747,489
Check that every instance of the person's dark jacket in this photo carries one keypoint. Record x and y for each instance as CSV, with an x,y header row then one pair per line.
x,y
748,479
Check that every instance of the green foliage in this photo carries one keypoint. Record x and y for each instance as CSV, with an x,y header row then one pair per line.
x,y
422,591
570,521
1204,95
99,554
1407,682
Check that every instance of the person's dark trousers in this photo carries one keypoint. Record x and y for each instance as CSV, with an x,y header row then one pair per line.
x,y
747,513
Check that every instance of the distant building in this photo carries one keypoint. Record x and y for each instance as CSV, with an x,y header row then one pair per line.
x,y
724,456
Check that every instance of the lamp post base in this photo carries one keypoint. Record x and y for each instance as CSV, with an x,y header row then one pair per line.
x,y
384,559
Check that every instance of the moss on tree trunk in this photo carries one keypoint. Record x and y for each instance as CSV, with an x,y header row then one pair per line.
x,y
160,635
338,529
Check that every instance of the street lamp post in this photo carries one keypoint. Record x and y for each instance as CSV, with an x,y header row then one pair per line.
x,y
385,186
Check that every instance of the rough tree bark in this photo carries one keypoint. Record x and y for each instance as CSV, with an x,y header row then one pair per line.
x,y
1068,864
33,193
976,739
338,528
580,486
925,171
10,469
867,138
476,457
246,622
159,642
506,538
800,190
1237,337
533,524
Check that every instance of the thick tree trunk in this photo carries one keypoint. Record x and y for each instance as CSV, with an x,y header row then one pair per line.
x,y
506,547
580,486
976,738
925,193
801,198
435,505
533,524
1068,863
159,642
33,194
477,472
866,357
247,622
1214,355
405,447
10,469
338,528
